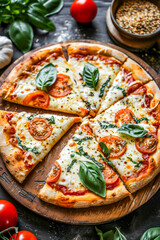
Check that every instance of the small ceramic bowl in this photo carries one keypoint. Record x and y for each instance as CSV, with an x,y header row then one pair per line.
x,y
151,36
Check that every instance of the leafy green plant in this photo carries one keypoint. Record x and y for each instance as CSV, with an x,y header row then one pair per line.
x,y
90,75
21,13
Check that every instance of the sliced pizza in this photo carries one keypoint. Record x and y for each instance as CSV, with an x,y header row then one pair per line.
x,y
27,138
95,68
130,77
44,80
81,176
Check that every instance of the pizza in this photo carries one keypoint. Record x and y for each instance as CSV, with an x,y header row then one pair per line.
x,y
115,150
27,138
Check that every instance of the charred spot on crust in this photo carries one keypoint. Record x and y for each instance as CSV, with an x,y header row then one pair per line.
x,y
7,161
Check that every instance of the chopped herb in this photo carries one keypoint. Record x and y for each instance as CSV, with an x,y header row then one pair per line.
x,y
82,153
51,119
72,155
88,105
106,125
71,165
122,89
137,164
80,74
67,69
91,94
32,116
103,87
107,161
34,150
81,140
140,119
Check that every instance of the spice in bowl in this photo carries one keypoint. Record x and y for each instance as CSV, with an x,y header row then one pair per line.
x,y
138,16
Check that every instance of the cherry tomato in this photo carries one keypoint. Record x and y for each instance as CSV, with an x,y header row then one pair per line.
x,y
147,144
8,215
115,144
83,11
40,129
109,175
37,99
23,235
61,87
124,116
55,174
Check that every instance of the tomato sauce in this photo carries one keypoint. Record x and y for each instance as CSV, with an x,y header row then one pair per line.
x,y
156,125
9,117
112,186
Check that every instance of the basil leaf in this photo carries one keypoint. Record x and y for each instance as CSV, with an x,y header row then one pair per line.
x,y
71,165
137,164
52,6
108,235
107,161
140,119
122,89
106,125
118,235
3,3
133,130
90,75
36,16
34,150
51,119
103,87
105,149
81,140
21,34
99,233
92,178
82,153
46,76
32,116
151,234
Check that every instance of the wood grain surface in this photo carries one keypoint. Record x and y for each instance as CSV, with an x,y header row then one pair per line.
x,y
27,192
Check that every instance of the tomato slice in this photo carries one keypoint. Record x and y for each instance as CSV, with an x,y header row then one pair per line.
x,y
124,116
109,175
38,99
147,144
61,87
140,90
56,172
116,144
133,87
40,129
87,129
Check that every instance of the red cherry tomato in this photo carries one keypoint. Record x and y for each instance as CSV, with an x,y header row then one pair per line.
x,y
23,235
83,11
8,215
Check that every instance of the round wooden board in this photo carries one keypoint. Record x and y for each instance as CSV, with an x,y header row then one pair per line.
x,y
26,193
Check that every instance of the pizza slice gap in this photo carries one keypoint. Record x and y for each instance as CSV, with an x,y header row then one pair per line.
x,y
27,138
81,177
44,80
95,68
133,148
131,77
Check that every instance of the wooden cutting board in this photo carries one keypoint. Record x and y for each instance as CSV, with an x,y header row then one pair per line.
x,y
26,193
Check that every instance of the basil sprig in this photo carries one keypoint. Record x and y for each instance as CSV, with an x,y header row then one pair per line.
x,y
92,178
137,164
122,89
103,87
82,139
71,165
32,116
46,77
133,130
106,125
140,119
81,152
90,75
34,150
151,234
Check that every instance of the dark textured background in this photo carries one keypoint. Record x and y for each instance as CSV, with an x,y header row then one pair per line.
x,y
135,223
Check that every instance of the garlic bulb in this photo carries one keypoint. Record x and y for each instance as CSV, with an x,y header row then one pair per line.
x,y
6,51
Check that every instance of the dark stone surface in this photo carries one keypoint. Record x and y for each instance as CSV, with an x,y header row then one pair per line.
x,y
135,223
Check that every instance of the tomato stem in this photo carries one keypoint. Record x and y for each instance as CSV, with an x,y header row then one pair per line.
x,y
8,229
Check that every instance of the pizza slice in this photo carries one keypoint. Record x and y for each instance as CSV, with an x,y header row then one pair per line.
x,y
130,77
133,147
95,68
44,80
27,138
81,176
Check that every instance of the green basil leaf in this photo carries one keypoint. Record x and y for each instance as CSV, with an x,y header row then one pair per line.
x,y
118,235
90,75
32,116
99,233
36,16
3,3
80,140
71,165
52,6
6,16
137,164
92,178
21,34
133,130
34,150
151,234
107,161
140,119
103,87
105,149
106,125
122,89
46,76
108,235
51,119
